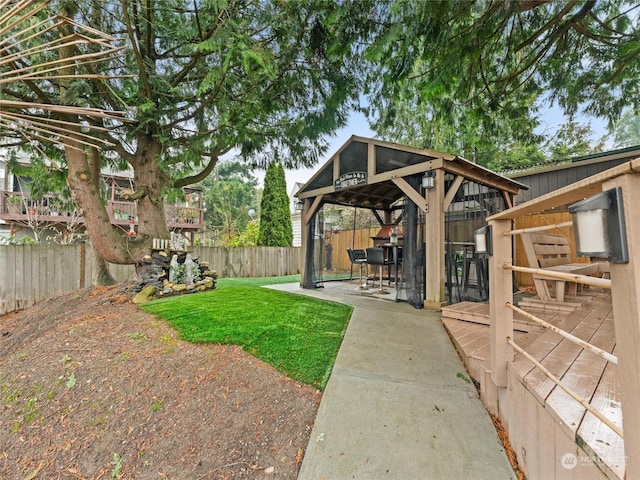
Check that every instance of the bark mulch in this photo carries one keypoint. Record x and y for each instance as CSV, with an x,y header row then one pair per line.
x,y
91,387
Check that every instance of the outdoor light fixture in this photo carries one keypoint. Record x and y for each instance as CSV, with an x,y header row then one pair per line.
x,y
428,180
598,223
298,203
483,240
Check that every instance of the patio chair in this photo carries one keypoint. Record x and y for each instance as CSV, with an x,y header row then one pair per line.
x,y
359,257
375,256
552,252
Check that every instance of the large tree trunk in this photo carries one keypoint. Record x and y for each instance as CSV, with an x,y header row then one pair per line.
x,y
84,182
100,270
150,181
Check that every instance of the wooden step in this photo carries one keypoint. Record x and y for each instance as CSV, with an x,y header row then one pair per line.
x,y
479,313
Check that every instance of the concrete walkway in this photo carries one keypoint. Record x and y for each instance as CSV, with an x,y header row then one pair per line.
x,y
399,403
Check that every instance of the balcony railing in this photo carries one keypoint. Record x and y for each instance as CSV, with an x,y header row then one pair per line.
x,y
18,207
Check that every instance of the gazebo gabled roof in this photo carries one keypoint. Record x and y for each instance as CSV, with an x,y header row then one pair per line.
x,y
362,172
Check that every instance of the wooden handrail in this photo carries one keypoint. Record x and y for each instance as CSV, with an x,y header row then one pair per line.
x,y
569,277
541,228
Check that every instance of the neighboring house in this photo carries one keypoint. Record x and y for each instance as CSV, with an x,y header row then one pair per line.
x,y
51,216
547,178
296,215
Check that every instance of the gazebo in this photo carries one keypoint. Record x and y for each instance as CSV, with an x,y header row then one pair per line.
x,y
437,200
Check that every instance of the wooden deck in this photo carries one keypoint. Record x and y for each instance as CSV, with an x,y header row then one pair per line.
x,y
582,371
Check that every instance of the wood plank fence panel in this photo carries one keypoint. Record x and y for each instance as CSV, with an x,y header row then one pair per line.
x,y
4,296
34,278
18,280
31,273
250,261
343,239
45,287
9,286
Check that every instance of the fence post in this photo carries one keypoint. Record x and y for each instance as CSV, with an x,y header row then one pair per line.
x,y
83,264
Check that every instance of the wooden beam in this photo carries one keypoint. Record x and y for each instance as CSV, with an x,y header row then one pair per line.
x,y
314,193
455,186
371,163
313,209
378,217
508,199
435,293
480,177
431,165
410,192
374,178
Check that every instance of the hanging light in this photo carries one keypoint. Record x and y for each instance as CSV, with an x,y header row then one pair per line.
x,y
428,180
298,203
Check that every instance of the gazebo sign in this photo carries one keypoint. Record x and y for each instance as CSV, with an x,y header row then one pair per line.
x,y
351,179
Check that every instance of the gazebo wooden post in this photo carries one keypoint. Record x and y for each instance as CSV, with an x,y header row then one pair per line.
x,y
304,242
434,238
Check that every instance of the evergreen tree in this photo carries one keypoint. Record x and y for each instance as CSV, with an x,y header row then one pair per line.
x,y
187,82
469,77
230,193
627,130
275,219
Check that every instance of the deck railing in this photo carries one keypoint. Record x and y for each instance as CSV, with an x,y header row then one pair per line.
x,y
580,279
570,392
625,301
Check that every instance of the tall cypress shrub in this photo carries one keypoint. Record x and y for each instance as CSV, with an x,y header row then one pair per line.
x,y
275,219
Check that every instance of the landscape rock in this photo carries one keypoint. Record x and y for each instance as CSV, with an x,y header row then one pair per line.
x,y
154,272
144,295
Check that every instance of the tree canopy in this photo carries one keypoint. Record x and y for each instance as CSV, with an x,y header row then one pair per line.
x,y
465,75
171,86
270,79
626,131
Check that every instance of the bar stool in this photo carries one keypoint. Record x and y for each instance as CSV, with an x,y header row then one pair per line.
x,y
359,257
375,256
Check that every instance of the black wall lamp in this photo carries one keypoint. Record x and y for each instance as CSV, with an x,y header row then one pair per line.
x,y
599,227
483,238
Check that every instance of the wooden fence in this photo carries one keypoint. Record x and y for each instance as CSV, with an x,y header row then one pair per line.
x,y
342,240
31,273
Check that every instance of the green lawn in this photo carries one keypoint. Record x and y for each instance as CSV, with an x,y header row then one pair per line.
x,y
298,335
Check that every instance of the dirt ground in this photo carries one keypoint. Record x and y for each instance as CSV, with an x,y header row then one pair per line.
x,y
91,387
